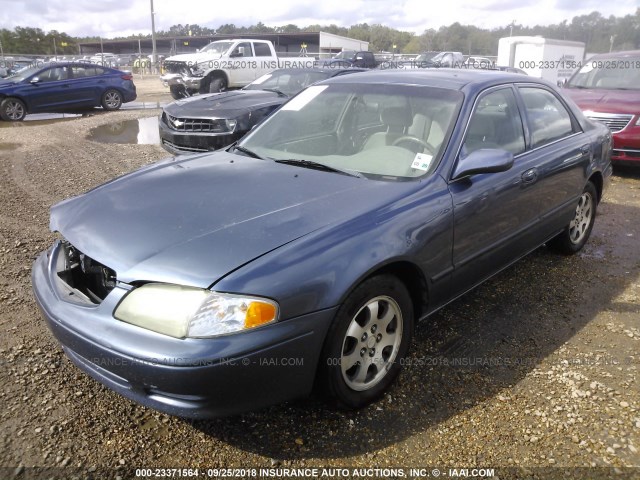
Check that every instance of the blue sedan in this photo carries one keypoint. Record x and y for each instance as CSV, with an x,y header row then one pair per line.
x,y
304,254
47,87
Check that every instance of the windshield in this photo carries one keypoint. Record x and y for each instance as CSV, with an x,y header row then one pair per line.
x,y
388,132
288,82
24,73
612,73
217,47
346,54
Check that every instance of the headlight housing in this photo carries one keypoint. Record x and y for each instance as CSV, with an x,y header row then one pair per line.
x,y
183,312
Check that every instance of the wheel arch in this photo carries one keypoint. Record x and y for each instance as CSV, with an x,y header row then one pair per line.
x,y
117,89
19,97
27,104
598,181
409,274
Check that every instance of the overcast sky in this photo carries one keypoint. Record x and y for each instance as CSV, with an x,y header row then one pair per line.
x,y
111,18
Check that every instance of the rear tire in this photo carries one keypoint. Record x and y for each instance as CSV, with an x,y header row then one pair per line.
x,y
367,342
577,232
12,110
111,100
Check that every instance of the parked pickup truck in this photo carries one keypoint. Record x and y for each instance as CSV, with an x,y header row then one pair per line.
x,y
225,64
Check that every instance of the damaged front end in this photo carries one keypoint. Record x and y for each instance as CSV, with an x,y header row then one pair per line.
x,y
182,75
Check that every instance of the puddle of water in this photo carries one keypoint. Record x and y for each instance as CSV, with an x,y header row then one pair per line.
x,y
140,131
8,146
143,105
592,252
48,118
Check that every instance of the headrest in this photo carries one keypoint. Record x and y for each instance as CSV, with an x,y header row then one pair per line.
x,y
396,117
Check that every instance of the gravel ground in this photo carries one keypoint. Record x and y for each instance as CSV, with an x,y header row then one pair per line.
x,y
534,374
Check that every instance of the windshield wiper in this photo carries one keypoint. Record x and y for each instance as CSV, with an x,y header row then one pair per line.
x,y
247,152
317,166
275,90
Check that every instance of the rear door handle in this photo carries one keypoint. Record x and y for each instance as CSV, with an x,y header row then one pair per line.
x,y
530,176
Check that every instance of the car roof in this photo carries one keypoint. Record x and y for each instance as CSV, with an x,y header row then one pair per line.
x,y
449,78
625,54
320,70
67,63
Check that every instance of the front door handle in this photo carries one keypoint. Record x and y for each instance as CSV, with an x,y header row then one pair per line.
x,y
530,176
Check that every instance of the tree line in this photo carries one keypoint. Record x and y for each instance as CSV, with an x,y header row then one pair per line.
x,y
599,33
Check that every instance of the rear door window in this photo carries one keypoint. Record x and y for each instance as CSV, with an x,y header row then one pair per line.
x,y
262,50
548,118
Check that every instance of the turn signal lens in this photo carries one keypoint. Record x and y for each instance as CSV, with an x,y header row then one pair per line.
x,y
259,313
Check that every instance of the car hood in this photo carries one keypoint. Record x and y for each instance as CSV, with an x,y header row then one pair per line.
x,y
225,104
192,221
605,101
193,58
6,83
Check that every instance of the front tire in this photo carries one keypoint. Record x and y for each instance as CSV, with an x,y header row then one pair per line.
x,y
577,232
217,84
367,342
178,92
111,100
12,110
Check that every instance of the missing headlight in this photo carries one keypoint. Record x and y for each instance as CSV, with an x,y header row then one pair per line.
x,y
89,280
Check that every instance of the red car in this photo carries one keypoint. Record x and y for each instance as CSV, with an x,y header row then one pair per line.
x,y
607,89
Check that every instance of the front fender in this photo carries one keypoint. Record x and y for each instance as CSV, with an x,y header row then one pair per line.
x,y
318,271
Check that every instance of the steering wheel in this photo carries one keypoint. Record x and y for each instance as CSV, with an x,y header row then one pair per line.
x,y
410,138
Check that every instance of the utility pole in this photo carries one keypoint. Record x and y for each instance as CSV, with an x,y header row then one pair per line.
x,y
55,50
154,55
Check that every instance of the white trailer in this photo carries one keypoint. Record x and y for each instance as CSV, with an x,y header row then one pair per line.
x,y
553,60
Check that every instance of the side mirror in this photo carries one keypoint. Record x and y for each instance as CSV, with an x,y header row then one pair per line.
x,y
34,80
485,160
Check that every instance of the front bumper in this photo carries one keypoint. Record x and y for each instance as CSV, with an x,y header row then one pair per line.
x,y
626,146
193,142
192,83
193,378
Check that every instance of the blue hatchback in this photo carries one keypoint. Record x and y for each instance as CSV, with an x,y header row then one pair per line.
x,y
47,87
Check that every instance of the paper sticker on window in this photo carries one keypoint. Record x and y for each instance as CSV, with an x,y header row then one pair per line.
x,y
422,161
262,79
303,98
